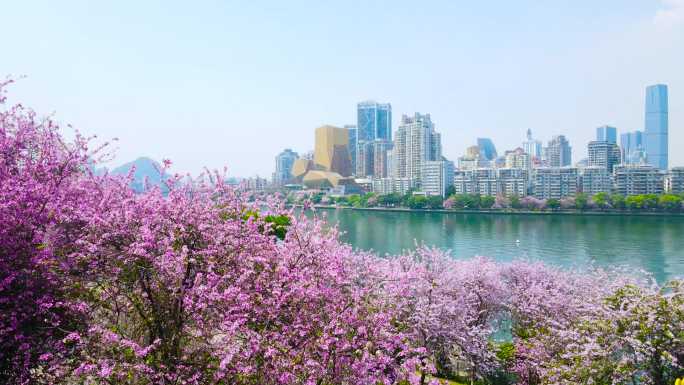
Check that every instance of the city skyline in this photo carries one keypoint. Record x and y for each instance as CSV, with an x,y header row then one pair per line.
x,y
199,81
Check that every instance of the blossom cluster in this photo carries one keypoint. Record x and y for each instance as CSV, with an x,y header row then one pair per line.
x,y
202,284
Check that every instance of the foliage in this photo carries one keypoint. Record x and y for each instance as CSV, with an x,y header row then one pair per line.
x,y
206,285
553,204
417,202
581,201
487,201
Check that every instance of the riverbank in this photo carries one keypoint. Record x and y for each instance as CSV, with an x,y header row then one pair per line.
x,y
507,211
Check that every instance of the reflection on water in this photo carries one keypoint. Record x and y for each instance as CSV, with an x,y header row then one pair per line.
x,y
654,244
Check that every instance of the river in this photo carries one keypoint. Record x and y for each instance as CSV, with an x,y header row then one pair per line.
x,y
653,244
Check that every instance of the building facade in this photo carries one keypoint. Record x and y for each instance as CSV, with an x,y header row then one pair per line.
x,y
381,166
656,126
555,182
492,182
415,142
603,154
374,121
558,152
353,144
638,179
437,176
606,134
283,167
487,148
596,179
632,147
332,150
531,146
518,158
674,182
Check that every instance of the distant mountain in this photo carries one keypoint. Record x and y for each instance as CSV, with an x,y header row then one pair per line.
x,y
144,168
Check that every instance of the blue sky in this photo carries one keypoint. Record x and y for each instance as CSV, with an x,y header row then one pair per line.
x,y
226,83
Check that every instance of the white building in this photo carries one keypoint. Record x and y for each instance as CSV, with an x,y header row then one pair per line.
x,y
437,176
674,182
415,142
555,182
596,179
490,181
638,179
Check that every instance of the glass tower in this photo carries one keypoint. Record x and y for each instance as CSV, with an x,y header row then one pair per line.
x,y
606,134
487,149
655,133
374,121
632,147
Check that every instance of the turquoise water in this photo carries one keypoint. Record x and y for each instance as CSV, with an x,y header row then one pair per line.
x,y
654,244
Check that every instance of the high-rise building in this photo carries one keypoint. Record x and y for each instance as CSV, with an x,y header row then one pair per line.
x,y
606,134
381,167
558,153
353,144
555,182
374,121
332,150
364,159
531,146
283,169
674,183
604,154
487,149
518,158
596,179
437,176
632,147
415,142
638,179
656,126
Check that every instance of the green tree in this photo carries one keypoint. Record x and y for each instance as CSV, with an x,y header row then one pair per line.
x,y
487,201
670,202
389,200
602,200
617,201
417,202
451,190
581,201
434,202
553,204
515,202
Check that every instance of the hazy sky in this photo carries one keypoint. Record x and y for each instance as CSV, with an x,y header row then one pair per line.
x,y
214,83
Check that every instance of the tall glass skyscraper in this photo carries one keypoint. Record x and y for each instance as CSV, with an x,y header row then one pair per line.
x,y
606,134
632,147
374,121
656,126
487,149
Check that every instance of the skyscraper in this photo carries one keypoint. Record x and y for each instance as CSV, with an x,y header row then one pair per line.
x,y
415,142
487,149
332,150
558,153
353,144
531,146
606,134
632,147
283,170
656,122
374,121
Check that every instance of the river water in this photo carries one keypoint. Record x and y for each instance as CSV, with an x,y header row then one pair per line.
x,y
653,244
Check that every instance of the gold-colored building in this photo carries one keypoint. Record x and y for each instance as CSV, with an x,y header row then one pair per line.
x,y
332,150
300,167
